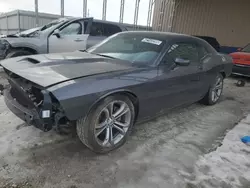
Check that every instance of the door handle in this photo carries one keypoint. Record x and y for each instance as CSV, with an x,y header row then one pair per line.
x,y
78,40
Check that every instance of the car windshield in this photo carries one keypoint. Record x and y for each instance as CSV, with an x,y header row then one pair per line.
x,y
130,46
49,25
246,48
55,22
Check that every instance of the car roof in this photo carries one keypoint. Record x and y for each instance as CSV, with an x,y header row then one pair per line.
x,y
174,37
163,35
95,20
207,37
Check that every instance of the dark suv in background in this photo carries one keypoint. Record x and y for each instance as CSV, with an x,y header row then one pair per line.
x,y
212,41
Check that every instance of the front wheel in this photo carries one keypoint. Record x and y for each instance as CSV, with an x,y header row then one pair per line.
x,y
108,125
215,91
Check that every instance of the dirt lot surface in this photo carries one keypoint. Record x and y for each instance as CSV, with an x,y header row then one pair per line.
x,y
160,153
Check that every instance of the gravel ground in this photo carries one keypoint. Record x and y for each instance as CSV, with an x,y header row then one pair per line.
x,y
160,153
228,166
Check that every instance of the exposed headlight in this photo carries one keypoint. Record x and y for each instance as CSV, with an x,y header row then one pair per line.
x,y
4,44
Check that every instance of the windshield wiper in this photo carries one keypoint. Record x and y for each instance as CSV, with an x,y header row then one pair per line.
x,y
83,51
23,35
104,55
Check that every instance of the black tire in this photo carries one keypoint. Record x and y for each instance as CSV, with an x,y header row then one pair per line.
x,y
86,126
207,100
17,53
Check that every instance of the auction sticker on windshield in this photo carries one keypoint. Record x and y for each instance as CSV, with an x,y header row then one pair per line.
x,y
152,41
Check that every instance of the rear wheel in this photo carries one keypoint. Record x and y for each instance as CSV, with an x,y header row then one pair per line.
x,y
215,91
108,125
16,53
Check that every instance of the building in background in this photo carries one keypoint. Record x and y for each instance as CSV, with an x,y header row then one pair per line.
x,y
226,20
20,20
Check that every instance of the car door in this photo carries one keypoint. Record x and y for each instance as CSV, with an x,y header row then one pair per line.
x,y
179,85
72,36
100,31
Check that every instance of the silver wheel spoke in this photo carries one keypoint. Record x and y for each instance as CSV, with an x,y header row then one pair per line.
x,y
119,129
98,132
111,139
111,109
218,81
121,124
122,110
106,111
107,136
216,95
213,95
101,125
219,86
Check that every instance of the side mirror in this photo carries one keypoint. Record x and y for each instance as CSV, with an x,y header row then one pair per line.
x,y
57,33
182,62
239,49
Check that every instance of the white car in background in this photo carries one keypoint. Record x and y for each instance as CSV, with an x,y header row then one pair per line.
x,y
61,35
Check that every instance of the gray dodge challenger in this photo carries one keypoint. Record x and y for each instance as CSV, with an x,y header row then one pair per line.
x,y
129,77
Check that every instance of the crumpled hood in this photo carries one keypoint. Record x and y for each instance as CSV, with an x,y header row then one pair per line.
x,y
50,69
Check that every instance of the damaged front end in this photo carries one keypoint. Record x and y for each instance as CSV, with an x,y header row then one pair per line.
x,y
32,103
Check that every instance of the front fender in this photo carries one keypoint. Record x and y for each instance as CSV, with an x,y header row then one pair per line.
x,y
37,44
106,94
77,98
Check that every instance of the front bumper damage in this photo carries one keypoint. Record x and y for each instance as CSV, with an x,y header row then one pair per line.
x,y
4,47
30,116
41,117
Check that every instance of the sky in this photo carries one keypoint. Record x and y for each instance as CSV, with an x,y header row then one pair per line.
x,y
74,8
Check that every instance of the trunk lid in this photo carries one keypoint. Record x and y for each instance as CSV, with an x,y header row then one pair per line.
x,y
51,69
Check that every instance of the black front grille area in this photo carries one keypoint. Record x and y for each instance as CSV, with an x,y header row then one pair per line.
x,y
21,99
25,94
38,96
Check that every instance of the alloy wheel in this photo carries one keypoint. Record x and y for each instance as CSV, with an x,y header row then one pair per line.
x,y
217,89
112,123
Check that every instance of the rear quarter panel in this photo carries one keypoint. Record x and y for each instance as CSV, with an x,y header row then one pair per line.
x,y
227,63
214,64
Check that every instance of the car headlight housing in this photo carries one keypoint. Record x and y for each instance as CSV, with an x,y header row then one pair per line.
x,y
4,45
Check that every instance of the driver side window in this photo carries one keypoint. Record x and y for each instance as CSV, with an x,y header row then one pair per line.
x,y
186,51
72,29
